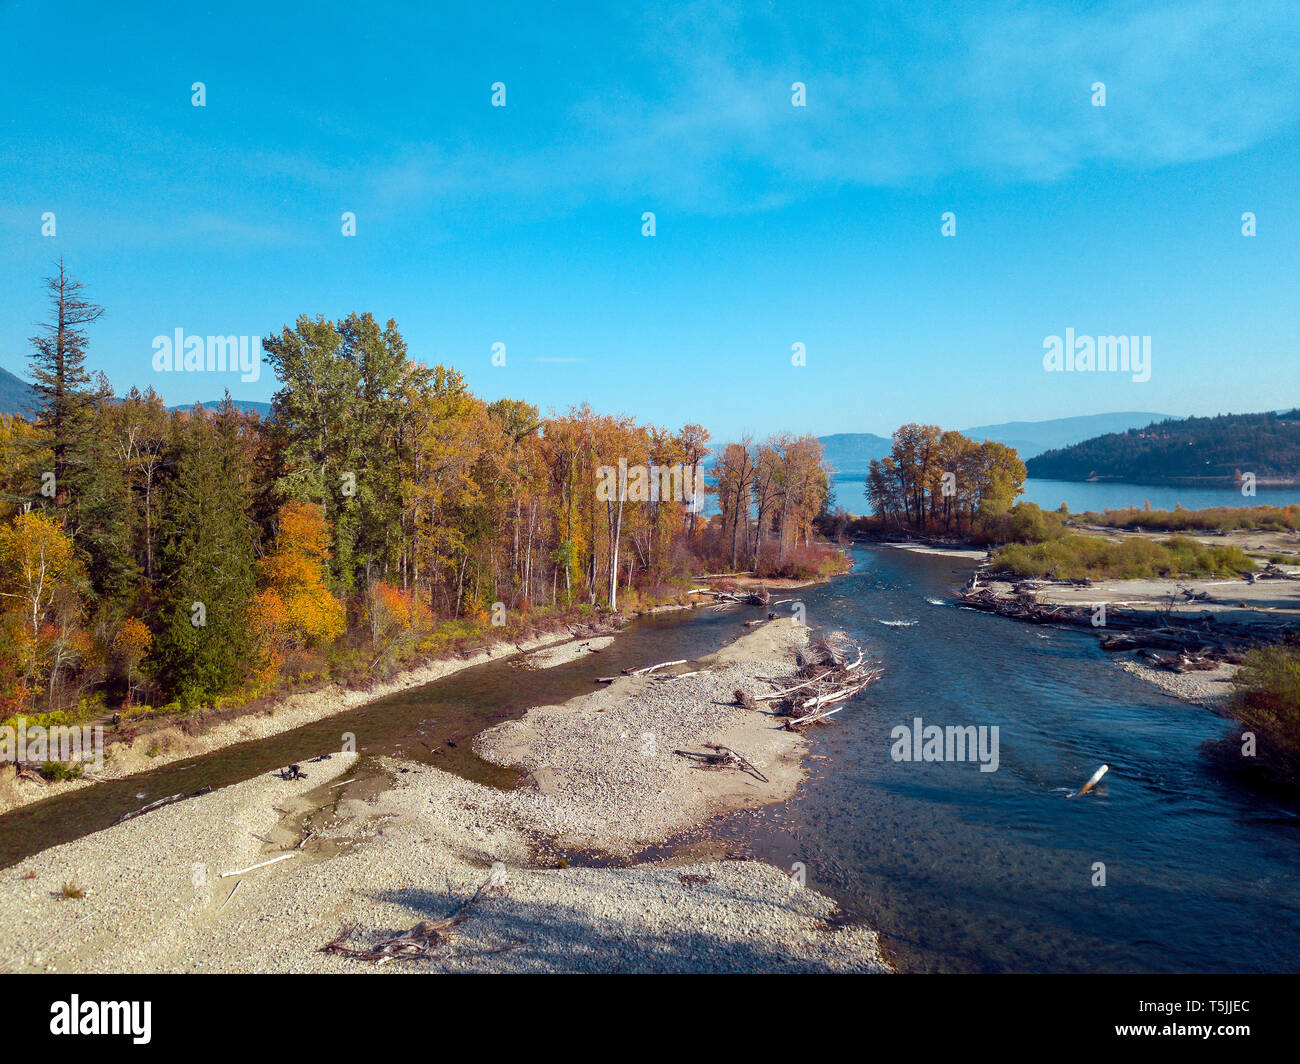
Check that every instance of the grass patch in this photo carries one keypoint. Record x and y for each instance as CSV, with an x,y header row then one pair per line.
x,y
1212,519
1072,557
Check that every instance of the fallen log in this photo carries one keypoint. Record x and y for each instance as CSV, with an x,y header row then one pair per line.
x,y
722,756
160,803
261,864
649,669
761,597
812,718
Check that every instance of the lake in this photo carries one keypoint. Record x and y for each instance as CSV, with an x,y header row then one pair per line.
x,y
1102,495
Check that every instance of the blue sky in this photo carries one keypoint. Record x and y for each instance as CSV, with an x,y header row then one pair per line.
x,y
775,224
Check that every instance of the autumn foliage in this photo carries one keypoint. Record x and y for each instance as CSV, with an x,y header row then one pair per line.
x,y
294,609
172,558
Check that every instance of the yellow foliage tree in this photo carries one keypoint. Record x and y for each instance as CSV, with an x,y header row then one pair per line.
x,y
295,609
42,579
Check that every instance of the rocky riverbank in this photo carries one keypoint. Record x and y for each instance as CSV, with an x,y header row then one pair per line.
x,y
382,853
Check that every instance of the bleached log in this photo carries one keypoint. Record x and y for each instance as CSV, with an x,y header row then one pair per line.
x,y
648,669
814,717
1093,780
263,864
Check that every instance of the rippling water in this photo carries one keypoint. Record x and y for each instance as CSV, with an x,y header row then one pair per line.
x,y
970,871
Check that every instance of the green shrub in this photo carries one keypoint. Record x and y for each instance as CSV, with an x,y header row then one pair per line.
x,y
1267,701
1211,519
62,770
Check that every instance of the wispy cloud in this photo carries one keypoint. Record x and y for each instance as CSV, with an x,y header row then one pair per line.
x,y
895,95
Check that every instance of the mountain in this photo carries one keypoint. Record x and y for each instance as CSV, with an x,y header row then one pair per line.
x,y
852,452
16,395
1182,451
247,405
1031,438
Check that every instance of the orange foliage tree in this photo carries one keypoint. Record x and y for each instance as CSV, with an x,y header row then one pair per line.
x,y
295,609
132,643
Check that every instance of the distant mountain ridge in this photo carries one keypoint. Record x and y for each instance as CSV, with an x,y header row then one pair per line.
x,y
1184,451
19,397
247,405
16,395
852,452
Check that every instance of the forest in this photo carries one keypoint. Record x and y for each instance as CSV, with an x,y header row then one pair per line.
x,y
155,560
1215,449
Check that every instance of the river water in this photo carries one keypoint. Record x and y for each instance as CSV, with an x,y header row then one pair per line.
x,y
434,724
961,870
969,871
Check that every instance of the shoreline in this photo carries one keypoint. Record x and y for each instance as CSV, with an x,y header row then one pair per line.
x,y
384,855
173,743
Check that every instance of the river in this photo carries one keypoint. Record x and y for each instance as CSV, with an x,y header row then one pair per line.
x,y
961,870
966,871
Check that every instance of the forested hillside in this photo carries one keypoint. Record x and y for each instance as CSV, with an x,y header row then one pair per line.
x,y
1181,451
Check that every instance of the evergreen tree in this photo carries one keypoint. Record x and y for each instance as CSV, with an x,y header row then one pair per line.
x,y
208,561
58,369
101,516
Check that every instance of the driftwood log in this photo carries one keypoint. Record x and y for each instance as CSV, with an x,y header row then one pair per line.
x,y
833,671
424,941
723,756
170,800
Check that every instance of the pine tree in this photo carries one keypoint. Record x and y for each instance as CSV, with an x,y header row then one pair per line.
x,y
101,516
208,561
58,369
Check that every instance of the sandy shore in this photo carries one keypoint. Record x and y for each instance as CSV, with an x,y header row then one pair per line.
x,y
610,754
166,743
1263,602
1211,688
386,857
970,553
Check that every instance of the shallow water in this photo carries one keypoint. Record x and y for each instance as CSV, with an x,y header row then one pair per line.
x,y
433,724
970,871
